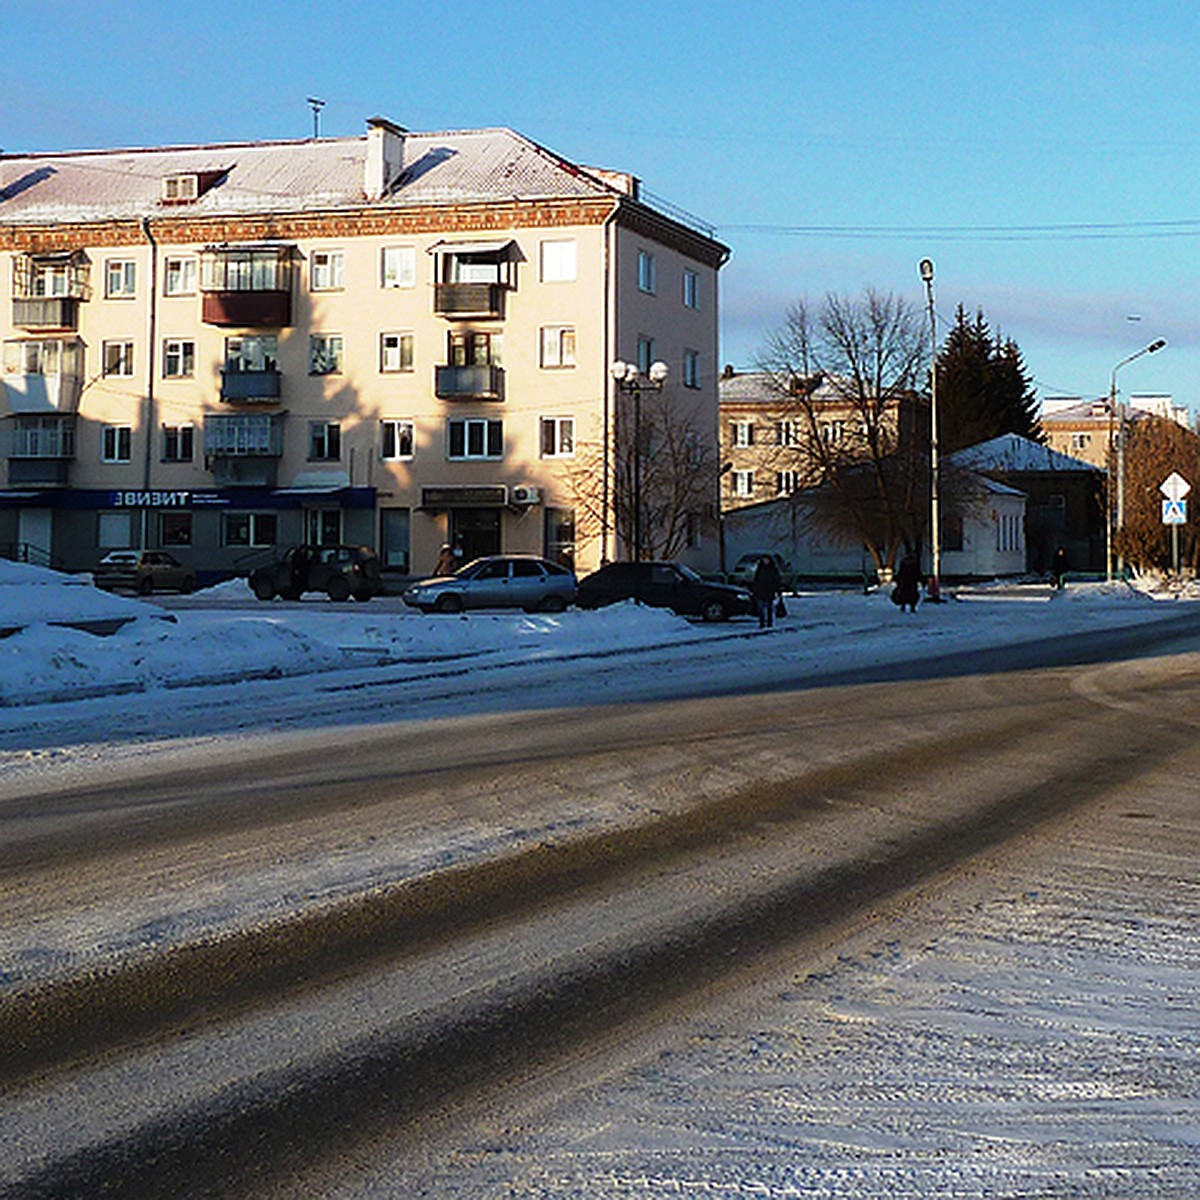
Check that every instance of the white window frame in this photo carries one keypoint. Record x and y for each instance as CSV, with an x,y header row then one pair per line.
x,y
691,288
786,482
741,434
116,443
691,368
252,352
559,260
324,441
179,358
557,437
120,278
325,354
255,536
183,439
327,270
396,352
742,484
393,436
483,431
116,357
557,347
647,273
180,273
398,267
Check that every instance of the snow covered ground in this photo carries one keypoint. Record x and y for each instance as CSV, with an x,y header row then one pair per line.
x,y
223,637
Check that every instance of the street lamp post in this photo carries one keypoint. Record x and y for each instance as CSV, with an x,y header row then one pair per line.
x,y
1119,423
935,537
631,382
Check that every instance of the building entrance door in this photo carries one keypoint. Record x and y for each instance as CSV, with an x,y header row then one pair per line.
x,y
477,530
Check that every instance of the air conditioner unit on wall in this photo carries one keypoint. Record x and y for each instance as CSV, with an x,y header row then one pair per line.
x,y
524,495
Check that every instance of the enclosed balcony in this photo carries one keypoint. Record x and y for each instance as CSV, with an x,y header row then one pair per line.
x,y
39,450
46,312
243,435
483,382
473,277
250,387
42,375
47,289
247,286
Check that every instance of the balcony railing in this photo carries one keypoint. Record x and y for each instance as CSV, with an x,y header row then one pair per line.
x,y
248,310
469,299
250,387
243,436
469,383
46,312
36,439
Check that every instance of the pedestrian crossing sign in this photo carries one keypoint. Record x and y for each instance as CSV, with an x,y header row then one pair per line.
x,y
1174,512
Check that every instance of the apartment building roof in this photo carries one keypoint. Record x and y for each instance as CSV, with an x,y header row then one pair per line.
x,y
759,388
238,178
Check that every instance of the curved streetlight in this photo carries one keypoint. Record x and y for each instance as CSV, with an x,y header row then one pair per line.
x,y
630,380
1152,348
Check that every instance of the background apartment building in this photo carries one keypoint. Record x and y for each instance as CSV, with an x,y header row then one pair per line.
x,y
398,340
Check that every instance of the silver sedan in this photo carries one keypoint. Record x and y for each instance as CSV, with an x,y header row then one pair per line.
x,y
500,581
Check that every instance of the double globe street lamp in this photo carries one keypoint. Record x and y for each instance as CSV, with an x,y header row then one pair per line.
x,y
630,381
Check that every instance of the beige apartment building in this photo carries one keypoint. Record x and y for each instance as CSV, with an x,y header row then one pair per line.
x,y
398,340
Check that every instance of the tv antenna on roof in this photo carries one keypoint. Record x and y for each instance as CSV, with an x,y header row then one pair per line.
x,y
316,106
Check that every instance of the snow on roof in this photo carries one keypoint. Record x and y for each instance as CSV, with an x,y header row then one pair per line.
x,y
758,387
456,167
1012,453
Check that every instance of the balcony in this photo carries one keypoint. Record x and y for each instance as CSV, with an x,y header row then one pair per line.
x,y
37,393
250,387
39,450
248,310
466,300
243,436
469,383
46,312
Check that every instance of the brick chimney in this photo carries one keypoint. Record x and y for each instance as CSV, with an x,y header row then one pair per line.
x,y
385,157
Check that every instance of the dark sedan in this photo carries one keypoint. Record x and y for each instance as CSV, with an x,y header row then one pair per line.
x,y
664,585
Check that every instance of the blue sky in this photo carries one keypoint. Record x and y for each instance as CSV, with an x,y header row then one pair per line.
x,y
1041,153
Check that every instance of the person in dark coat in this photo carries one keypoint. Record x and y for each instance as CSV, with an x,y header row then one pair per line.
x,y
766,586
908,583
1058,568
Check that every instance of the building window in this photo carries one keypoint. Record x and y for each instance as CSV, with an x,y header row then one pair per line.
x,y
474,349
179,358
398,267
118,358
324,441
558,346
178,443
645,354
180,276
325,354
559,263
327,270
558,437
114,530
120,278
1080,441
43,356
175,529
691,289
788,433
559,536
116,443
741,434
248,529
395,352
691,368
50,279
786,482
743,484
252,353
474,437
394,538
833,433
396,440
323,526
647,272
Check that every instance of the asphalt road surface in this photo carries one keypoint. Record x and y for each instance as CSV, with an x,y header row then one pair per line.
x,y
366,962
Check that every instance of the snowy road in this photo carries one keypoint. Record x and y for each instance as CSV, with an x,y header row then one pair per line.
x,y
293,965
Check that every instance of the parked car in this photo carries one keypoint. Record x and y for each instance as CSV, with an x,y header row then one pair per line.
x,y
338,571
498,581
143,571
664,585
743,570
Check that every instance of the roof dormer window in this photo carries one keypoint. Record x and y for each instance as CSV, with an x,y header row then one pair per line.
x,y
180,189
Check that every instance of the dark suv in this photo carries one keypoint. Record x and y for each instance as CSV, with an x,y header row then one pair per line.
x,y
338,571
664,585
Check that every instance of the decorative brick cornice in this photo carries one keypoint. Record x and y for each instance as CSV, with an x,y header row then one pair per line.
x,y
176,228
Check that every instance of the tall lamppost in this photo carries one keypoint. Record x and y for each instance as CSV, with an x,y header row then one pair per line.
x,y
631,382
935,536
1154,346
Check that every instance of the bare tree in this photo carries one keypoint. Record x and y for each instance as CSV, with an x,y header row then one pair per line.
x,y
662,473
851,419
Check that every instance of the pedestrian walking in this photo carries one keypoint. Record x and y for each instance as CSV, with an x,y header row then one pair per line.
x,y
908,583
1058,568
767,585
